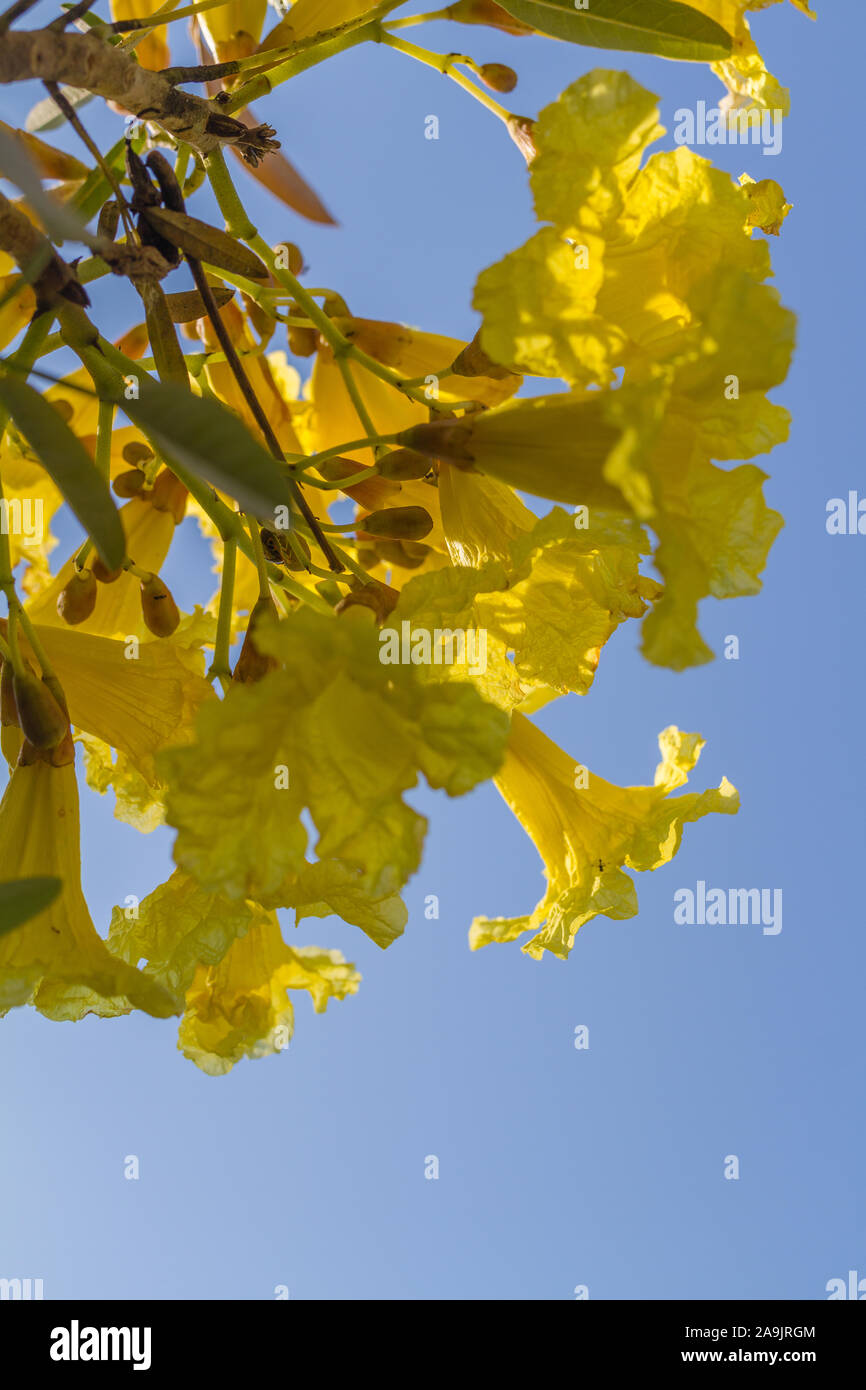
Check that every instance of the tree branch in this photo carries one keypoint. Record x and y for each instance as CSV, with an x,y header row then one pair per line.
x,y
85,60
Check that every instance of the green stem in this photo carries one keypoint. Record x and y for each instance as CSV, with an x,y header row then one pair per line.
x,y
350,447
33,638
104,425
446,63
220,668
259,557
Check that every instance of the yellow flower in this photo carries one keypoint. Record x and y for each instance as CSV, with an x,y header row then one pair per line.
x,y
588,830
149,533
57,961
239,1008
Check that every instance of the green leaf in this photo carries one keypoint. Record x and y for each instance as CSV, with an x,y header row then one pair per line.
x,y
69,465
663,27
187,305
211,442
205,243
24,898
46,114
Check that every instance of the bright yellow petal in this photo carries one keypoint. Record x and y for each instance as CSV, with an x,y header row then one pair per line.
x,y
240,1008
57,961
588,834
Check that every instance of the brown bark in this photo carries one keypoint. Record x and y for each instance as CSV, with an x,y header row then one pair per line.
x,y
85,60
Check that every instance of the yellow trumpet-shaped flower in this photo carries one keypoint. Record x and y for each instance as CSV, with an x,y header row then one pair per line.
x,y
57,961
149,533
240,1008
588,830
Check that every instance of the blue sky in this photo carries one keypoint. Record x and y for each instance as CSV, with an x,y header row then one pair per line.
x,y
557,1167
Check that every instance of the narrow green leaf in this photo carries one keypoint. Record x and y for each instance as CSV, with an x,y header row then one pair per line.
x,y
187,305
24,898
68,463
205,243
46,114
666,28
206,438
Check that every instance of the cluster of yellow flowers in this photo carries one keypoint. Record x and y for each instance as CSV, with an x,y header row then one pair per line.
x,y
644,289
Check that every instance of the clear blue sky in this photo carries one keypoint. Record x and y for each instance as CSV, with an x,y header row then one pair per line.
x,y
557,1167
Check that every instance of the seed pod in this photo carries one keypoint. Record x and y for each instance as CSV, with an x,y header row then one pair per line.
x,y
158,608
42,720
129,483
498,77
398,523
165,177
109,216
253,665
303,342
78,599
408,555
404,465
105,576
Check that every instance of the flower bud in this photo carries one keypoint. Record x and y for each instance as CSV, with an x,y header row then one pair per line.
x,y
521,128
169,495
370,492
303,342
253,665
498,77
105,576
294,257
129,483
404,465
136,452
158,608
78,599
398,523
488,12
408,555
42,720
447,439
